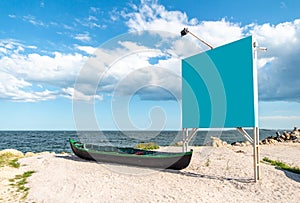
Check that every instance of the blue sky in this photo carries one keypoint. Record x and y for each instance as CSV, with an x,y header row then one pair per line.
x,y
47,49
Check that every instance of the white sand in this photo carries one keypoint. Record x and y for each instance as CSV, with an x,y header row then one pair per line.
x,y
214,175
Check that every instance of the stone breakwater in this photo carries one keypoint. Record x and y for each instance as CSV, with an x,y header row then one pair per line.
x,y
286,137
292,137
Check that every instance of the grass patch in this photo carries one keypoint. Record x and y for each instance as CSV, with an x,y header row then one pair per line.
x,y
282,165
227,165
9,160
207,163
147,146
14,163
20,181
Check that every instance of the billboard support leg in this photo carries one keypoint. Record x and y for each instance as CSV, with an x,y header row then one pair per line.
x,y
256,158
187,136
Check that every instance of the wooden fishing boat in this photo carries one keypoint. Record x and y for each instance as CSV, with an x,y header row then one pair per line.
x,y
131,156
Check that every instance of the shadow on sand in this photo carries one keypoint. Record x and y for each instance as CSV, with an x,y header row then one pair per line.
x,y
72,157
291,175
183,173
198,175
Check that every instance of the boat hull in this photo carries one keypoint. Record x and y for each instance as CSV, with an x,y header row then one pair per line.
x,y
141,158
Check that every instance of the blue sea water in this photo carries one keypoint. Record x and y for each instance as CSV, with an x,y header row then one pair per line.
x,y
57,141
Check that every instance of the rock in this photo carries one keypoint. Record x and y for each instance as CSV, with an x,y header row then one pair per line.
x,y
247,143
216,142
29,154
296,141
179,143
236,144
272,141
295,133
11,153
265,141
287,135
293,137
43,153
280,140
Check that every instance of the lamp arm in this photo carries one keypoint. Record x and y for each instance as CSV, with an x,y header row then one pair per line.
x,y
201,40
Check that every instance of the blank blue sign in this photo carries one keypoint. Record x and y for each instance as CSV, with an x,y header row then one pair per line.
x,y
219,87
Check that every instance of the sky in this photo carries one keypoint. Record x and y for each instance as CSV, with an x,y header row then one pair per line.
x,y
73,65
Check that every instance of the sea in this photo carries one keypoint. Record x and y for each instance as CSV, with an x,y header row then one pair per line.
x,y
57,141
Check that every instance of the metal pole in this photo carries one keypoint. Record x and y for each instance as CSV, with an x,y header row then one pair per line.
x,y
186,142
256,154
256,129
183,138
186,31
201,40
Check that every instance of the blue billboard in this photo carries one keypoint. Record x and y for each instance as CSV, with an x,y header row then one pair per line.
x,y
219,87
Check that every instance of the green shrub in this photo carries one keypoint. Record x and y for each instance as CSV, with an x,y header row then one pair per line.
x,y
207,163
147,146
14,163
8,160
19,182
282,165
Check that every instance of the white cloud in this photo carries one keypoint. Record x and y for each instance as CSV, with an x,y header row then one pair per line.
x,y
22,72
36,67
152,16
279,118
123,67
67,27
12,16
262,62
114,14
3,50
32,19
279,122
130,59
90,22
74,94
85,37
283,5
278,67
88,49
12,88
95,10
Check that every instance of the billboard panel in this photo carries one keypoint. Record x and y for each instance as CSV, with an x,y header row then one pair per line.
x,y
219,87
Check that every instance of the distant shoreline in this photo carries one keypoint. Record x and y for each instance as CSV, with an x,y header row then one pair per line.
x,y
57,141
114,130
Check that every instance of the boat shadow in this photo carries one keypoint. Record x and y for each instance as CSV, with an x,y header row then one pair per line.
x,y
72,157
198,175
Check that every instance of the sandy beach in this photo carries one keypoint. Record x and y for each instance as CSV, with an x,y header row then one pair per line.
x,y
222,174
